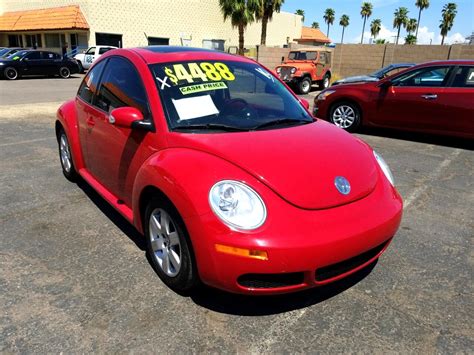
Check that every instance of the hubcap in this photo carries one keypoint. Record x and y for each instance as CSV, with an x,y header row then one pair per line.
x,y
11,74
344,116
326,82
65,153
305,86
165,242
64,72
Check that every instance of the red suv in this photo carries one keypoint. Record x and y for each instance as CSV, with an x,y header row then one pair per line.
x,y
435,97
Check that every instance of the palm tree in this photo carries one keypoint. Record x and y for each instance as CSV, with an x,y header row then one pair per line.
x,y
301,13
365,12
344,22
315,25
381,41
400,19
411,26
265,13
447,19
410,39
329,15
241,14
375,27
422,5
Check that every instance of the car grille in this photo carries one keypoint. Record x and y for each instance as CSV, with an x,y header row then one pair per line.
x,y
271,280
328,272
285,73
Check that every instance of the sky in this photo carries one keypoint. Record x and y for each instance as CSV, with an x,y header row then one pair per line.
x,y
384,9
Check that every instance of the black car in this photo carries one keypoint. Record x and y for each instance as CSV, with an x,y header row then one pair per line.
x,y
375,76
37,62
5,52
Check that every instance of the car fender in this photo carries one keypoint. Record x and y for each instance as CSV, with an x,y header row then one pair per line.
x,y
187,185
67,118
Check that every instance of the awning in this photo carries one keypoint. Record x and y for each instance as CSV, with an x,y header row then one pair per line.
x,y
56,18
309,34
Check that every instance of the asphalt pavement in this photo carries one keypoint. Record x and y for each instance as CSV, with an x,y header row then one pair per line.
x,y
74,277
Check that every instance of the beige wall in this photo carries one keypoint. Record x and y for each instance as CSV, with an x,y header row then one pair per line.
x,y
191,19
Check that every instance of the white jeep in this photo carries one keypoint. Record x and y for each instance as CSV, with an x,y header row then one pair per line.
x,y
88,57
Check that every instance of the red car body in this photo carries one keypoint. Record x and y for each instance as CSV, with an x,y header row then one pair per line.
x,y
438,100
312,234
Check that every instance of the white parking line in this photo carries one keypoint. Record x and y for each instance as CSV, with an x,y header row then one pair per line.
x,y
28,141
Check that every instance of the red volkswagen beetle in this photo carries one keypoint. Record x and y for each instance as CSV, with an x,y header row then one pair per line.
x,y
230,179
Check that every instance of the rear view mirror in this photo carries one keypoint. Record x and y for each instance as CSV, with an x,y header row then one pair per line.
x,y
305,103
125,116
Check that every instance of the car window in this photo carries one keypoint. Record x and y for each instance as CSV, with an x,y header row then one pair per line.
x,y
89,85
50,55
121,86
91,50
463,77
33,55
303,55
322,58
424,77
103,50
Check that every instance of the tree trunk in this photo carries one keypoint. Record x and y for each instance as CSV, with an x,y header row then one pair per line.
x,y
363,29
263,38
241,39
342,38
418,24
327,33
442,40
398,33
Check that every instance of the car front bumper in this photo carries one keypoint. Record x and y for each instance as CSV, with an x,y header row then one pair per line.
x,y
305,248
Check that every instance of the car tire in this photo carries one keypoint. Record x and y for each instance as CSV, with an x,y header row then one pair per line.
x,y
304,86
169,247
10,73
65,157
345,115
64,72
324,84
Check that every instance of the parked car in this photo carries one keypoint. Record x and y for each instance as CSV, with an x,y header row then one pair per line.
x,y
377,75
34,62
88,57
435,97
5,52
304,67
213,159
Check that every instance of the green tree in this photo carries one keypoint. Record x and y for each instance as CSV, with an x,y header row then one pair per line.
x,y
400,19
380,41
344,22
265,12
315,25
410,39
329,16
447,19
411,26
375,27
365,12
241,14
422,5
301,13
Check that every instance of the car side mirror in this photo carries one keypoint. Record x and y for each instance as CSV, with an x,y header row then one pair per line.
x,y
125,116
386,84
305,103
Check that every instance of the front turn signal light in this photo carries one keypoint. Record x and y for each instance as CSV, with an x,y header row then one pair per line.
x,y
246,253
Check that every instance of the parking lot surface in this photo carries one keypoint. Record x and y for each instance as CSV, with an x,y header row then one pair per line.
x,y
74,276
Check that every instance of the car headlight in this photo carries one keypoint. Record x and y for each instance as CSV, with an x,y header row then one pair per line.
x,y
322,95
293,70
1,63
278,70
237,205
386,170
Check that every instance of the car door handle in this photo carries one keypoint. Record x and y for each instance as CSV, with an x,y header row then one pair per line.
x,y
90,122
430,96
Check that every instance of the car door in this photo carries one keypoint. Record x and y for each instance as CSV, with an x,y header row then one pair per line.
x,y
85,109
50,63
458,98
115,153
414,100
31,63
89,57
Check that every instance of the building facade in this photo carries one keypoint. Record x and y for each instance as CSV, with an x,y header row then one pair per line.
x,y
53,24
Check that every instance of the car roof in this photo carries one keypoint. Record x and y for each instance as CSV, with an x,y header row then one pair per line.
x,y
309,49
447,62
162,54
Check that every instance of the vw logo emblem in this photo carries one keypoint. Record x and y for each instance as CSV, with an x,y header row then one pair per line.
x,y
342,185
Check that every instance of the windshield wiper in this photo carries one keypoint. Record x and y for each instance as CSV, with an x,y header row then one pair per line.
x,y
283,121
209,126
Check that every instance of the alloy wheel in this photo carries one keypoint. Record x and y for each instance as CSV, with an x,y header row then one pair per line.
x,y
66,160
344,116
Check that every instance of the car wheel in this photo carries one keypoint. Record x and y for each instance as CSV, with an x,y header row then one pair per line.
x,y
324,84
65,157
169,247
81,68
304,86
10,73
64,72
345,115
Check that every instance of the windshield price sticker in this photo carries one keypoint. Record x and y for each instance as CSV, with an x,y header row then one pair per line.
x,y
191,72
186,90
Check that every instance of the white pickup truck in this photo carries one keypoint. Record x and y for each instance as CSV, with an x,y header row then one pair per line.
x,y
88,57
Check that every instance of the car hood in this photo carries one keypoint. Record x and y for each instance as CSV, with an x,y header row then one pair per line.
x,y
300,65
299,163
355,79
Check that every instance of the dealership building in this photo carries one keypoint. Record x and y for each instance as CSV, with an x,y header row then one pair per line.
x,y
76,24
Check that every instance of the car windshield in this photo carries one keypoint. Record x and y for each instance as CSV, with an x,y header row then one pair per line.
x,y
302,55
381,72
225,96
17,55
3,51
